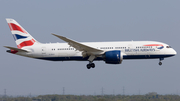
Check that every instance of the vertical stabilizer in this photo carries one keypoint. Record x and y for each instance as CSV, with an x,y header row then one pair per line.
x,y
21,36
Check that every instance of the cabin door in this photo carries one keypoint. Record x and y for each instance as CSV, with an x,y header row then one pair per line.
x,y
43,51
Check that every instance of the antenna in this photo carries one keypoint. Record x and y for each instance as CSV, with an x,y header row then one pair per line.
x,y
30,95
139,92
177,92
123,90
94,93
5,93
102,92
113,92
63,90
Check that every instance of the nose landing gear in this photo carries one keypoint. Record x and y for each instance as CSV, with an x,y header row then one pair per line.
x,y
160,63
160,59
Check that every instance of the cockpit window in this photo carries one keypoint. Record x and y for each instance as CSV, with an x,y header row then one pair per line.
x,y
168,46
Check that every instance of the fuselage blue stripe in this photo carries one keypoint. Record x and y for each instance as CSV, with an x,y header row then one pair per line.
x,y
79,58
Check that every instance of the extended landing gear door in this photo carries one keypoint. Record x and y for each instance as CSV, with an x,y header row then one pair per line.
x,y
43,51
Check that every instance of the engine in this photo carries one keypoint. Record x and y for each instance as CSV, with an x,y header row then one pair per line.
x,y
113,57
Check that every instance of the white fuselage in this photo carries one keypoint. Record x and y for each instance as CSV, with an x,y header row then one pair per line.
x,y
129,49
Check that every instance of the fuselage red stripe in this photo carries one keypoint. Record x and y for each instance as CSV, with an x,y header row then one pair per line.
x,y
154,45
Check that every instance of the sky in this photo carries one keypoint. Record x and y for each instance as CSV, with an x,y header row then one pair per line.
x,y
90,21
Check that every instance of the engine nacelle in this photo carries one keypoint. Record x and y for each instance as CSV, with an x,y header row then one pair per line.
x,y
113,57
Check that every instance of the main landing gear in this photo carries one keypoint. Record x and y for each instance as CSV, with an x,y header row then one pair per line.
x,y
90,65
160,59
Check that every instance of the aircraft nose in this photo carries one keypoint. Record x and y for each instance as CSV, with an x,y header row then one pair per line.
x,y
174,52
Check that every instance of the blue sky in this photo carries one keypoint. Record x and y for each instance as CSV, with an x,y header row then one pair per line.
x,y
89,21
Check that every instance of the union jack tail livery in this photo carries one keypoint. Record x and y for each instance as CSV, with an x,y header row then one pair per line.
x,y
21,36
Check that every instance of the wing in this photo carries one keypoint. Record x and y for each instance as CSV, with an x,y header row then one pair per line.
x,y
81,47
16,49
77,45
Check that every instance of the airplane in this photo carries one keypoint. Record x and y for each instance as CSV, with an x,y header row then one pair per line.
x,y
110,52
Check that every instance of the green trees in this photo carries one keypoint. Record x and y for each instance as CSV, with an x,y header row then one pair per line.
x,y
147,97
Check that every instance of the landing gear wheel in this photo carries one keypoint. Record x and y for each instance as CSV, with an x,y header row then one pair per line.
x,y
160,59
160,63
88,66
92,65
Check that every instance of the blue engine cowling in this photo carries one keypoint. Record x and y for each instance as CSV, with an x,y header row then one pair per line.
x,y
113,57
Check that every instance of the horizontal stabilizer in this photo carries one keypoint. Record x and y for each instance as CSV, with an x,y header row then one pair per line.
x,y
16,49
